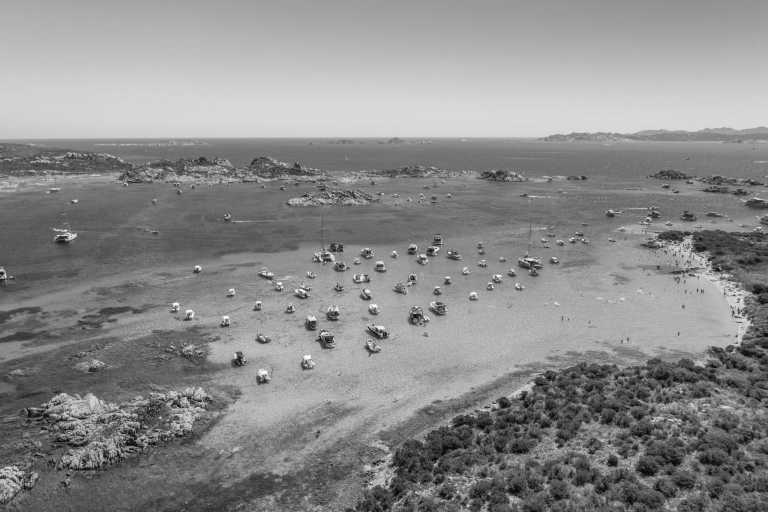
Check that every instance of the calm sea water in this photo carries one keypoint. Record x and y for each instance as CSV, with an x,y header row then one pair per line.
x,y
536,158
115,222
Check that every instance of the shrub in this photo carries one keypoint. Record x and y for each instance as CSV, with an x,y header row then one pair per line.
x,y
713,457
559,490
666,487
612,460
648,465
684,479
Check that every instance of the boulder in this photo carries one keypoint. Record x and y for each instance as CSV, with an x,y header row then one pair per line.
x,y
11,482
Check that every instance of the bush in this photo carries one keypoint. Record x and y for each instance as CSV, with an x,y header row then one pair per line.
x,y
648,465
697,503
559,490
666,487
684,479
612,460
713,457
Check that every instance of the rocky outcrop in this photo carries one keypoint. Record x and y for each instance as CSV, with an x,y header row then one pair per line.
x,y
756,202
90,366
27,160
502,175
98,433
670,174
579,177
413,171
11,483
268,167
333,197
197,169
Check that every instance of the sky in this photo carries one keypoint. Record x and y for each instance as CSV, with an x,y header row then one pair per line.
x,y
365,68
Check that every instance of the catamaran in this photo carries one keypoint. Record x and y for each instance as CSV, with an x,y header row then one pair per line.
x,y
529,261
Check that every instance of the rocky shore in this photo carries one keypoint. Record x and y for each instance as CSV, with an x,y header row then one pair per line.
x,y
26,160
333,197
502,175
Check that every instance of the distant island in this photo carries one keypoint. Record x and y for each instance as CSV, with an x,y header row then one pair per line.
x,y
724,134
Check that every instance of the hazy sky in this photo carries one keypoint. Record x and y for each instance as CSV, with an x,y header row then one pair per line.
x,y
193,68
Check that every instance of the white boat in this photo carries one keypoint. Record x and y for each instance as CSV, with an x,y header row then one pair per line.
x,y
301,293
511,272
437,291
367,253
365,294
266,274
340,266
189,315
227,217
453,254
361,278
489,286
432,250
447,280
529,262
519,287
257,306
496,278
311,275
502,259
473,296
401,288
412,278
356,261
560,242
279,287
413,249
438,308
380,267
263,338
197,269
75,201
393,255
378,330
465,271
422,259
333,312
533,272
307,363
231,292
373,309
482,263
310,322
554,260
175,307
224,321
263,376
438,239
64,236
339,287
290,308
372,346
326,339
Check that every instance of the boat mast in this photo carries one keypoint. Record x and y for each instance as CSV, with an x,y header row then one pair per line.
x,y
322,232
530,229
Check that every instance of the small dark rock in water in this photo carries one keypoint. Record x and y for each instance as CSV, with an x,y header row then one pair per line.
x,y
91,366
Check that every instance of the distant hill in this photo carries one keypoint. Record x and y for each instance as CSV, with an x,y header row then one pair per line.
x,y
723,134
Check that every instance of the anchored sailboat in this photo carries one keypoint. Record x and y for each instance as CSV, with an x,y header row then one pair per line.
x,y
528,261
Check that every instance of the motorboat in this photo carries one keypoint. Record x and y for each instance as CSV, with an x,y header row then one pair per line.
x,y
336,247
266,274
310,322
437,291
687,216
372,346
572,240
75,201
481,252
612,213
432,250
473,296
438,308
323,256
502,259
453,254
422,259
239,359
311,275
365,294
378,331
227,217
340,266
257,306
175,307
465,271
356,261
279,287
416,315
326,339
224,321
544,241
63,236
197,269
263,376
482,263
554,260
519,287
373,309
401,288
231,292
307,363
480,245
189,315
533,272
447,280
290,308
412,279
438,240
585,241
489,286
263,338
393,255
301,293
367,253
361,278
339,287
413,249
380,266
333,312
560,242
529,262
511,272
496,278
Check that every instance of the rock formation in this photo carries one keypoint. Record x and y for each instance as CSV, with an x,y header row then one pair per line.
x,y
99,434
26,160
268,167
670,174
502,175
333,197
